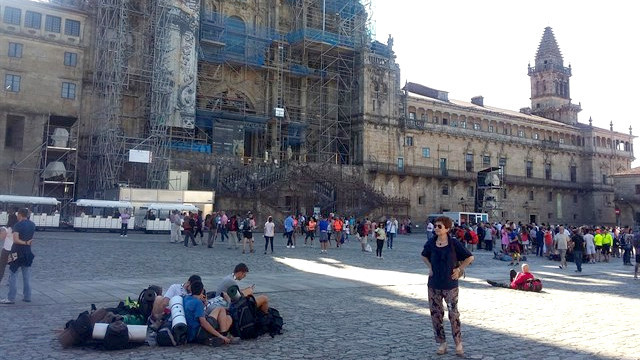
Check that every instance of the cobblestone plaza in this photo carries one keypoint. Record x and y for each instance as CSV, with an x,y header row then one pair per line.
x,y
342,305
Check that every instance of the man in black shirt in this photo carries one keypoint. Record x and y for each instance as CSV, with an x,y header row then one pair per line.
x,y
578,248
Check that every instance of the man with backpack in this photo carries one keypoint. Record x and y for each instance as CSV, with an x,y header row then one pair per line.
x,y
239,273
247,226
162,301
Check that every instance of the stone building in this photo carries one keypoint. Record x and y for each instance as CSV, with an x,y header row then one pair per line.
x,y
284,106
42,63
627,198
554,169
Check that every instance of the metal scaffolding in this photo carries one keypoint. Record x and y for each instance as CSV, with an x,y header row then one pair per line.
x,y
308,69
130,60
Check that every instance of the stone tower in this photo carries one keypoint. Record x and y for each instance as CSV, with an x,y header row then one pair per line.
x,y
550,90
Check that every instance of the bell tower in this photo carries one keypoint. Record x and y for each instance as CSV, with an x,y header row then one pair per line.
x,y
550,90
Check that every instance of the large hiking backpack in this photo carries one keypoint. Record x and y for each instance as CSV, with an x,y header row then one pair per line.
x,y
271,323
146,300
76,331
117,336
244,314
164,336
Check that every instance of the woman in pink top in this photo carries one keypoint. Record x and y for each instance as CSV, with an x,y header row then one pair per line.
x,y
504,233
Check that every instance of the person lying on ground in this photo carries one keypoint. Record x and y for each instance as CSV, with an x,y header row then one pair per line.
x,y
519,281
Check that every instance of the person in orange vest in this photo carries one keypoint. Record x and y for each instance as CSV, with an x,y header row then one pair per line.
x,y
337,228
310,231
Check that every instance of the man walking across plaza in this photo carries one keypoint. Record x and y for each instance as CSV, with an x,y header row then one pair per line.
x,y
23,232
248,225
560,242
578,248
288,231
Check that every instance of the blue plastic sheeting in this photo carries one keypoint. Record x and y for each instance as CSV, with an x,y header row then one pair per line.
x,y
205,118
192,147
229,39
320,36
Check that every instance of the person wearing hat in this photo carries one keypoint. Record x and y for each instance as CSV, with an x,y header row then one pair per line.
x,y
231,280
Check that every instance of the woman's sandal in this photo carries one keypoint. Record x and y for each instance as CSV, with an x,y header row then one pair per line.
x,y
442,349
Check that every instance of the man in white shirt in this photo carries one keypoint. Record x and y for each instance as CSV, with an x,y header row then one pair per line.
x,y
561,241
162,301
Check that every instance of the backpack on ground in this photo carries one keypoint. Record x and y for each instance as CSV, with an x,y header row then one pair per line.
x,y
116,337
164,336
145,301
244,314
271,322
76,331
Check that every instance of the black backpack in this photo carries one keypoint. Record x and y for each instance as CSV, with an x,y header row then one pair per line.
x,y
164,336
244,315
146,300
271,323
192,223
117,336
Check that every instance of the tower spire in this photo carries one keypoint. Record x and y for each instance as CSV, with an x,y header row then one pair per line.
x,y
550,90
548,50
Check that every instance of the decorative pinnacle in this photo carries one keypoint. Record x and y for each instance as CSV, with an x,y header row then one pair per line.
x,y
611,125
590,121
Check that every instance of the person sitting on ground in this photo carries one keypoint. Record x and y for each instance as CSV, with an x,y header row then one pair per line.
x,y
208,329
160,305
239,273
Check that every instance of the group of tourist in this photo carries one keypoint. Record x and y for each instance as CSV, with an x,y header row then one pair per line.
x,y
591,244
208,318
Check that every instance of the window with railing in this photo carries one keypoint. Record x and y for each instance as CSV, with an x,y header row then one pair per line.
x,y
476,126
502,163
412,116
529,168
426,152
468,162
408,140
573,173
531,195
547,171
550,196
463,124
486,160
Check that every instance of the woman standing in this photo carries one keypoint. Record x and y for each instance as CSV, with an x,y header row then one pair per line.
x,y
504,236
6,237
269,233
446,258
381,235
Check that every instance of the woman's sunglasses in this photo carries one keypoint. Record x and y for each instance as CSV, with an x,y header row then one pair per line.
x,y
440,226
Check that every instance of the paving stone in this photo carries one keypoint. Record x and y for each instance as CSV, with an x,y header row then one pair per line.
x,y
342,305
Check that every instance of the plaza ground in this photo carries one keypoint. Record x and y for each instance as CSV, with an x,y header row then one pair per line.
x,y
342,305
